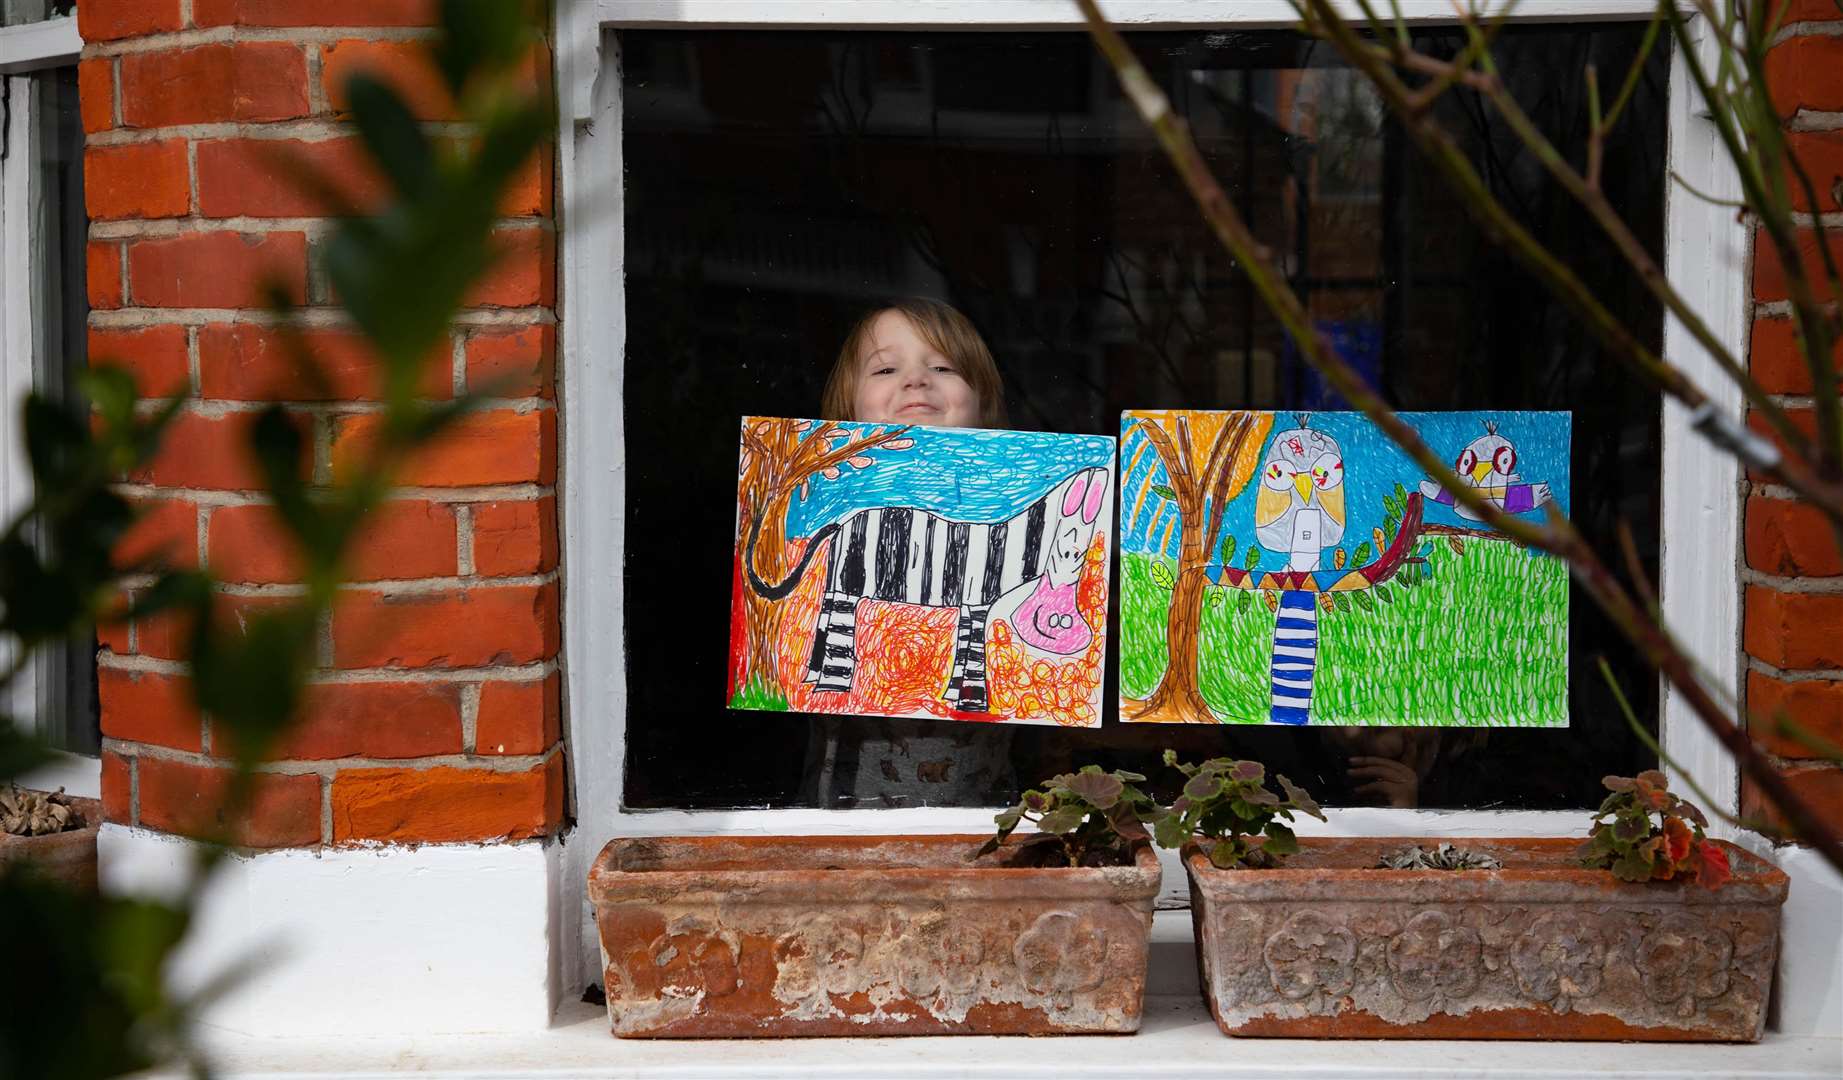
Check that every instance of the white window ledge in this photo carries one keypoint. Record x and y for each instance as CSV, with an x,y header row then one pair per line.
x,y
1178,1039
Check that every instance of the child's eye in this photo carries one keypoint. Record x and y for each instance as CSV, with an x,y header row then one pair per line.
x,y
883,371
945,369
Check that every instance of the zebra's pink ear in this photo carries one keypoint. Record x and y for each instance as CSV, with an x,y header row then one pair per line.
x,y
1073,498
1096,491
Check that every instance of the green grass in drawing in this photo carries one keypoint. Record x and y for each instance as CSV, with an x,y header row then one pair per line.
x,y
1483,641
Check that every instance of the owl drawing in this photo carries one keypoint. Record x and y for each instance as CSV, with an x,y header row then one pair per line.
x,y
1300,506
1489,464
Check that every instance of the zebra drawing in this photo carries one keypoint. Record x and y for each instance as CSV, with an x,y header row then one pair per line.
x,y
1023,569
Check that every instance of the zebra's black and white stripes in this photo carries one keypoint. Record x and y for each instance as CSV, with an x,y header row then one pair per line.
x,y
913,556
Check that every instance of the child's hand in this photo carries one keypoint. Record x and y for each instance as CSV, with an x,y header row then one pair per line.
x,y
1394,783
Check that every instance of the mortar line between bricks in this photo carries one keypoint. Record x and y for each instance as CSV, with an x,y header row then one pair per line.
x,y
1773,491
1791,675
132,317
242,35
403,493
534,672
316,227
317,104
133,762
1816,120
326,767
393,586
218,408
1806,28
1772,309
303,129
326,809
1812,586
1830,219
115,100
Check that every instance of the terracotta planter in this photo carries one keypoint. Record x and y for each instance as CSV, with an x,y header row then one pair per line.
x,y
1541,949
737,936
69,856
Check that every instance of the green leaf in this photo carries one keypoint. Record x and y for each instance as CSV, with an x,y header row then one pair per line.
x,y
1223,855
1401,496
1393,507
1170,831
1298,797
1098,789
1161,576
1362,598
1164,492
1214,598
1632,866
1382,593
1228,550
392,135
1280,839
1247,770
1342,600
1252,559
1063,819
1203,786
1362,555
1245,601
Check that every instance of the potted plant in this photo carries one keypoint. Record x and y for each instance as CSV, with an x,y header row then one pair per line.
x,y
1649,930
54,832
736,936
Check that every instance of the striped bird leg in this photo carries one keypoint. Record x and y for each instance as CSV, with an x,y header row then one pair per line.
x,y
838,658
1295,656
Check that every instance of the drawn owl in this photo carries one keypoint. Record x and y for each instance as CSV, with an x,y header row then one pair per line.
x,y
1300,506
1489,463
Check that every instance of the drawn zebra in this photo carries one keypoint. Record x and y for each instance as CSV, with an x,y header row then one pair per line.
x,y
1023,568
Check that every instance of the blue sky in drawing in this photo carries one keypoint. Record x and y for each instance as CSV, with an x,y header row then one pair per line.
x,y
963,474
1372,467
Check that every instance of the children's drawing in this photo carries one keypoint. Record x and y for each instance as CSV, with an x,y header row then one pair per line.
x,y
1301,569
910,571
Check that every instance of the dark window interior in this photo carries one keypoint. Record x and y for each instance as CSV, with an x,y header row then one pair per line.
x,y
779,185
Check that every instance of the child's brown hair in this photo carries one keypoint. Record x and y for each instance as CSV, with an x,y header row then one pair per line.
x,y
942,327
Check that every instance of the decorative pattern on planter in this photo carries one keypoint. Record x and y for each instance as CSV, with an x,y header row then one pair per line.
x,y
765,936
1541,948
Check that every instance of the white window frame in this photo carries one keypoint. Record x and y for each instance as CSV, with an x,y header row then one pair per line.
x,y
1706,254
24,49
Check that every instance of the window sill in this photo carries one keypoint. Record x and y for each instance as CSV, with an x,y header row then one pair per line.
x,y
1178,1039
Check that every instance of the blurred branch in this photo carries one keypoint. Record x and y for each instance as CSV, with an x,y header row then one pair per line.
x,y
1557,536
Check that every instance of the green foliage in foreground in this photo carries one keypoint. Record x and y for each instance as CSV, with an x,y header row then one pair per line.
x,y
88,997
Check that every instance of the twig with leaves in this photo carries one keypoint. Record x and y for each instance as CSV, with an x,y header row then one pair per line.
x,y
1556,536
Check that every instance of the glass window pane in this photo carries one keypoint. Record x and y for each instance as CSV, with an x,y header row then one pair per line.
x,y
67,674
780,185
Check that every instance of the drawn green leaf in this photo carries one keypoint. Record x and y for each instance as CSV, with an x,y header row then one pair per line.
x,y
1245,601
1363,599
1253,559
1164,492
1215,598
1383,594
1228,550
1362,554
1161,576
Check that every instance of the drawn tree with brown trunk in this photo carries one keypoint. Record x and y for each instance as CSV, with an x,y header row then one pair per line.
x,y
1210,460
779,459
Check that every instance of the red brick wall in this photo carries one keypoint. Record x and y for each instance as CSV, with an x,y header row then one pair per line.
x,y
435,715
1793,630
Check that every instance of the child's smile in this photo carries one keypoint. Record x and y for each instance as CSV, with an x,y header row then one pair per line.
x,y
905,378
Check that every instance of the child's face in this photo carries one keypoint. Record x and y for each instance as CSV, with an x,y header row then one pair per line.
x,y
903,379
